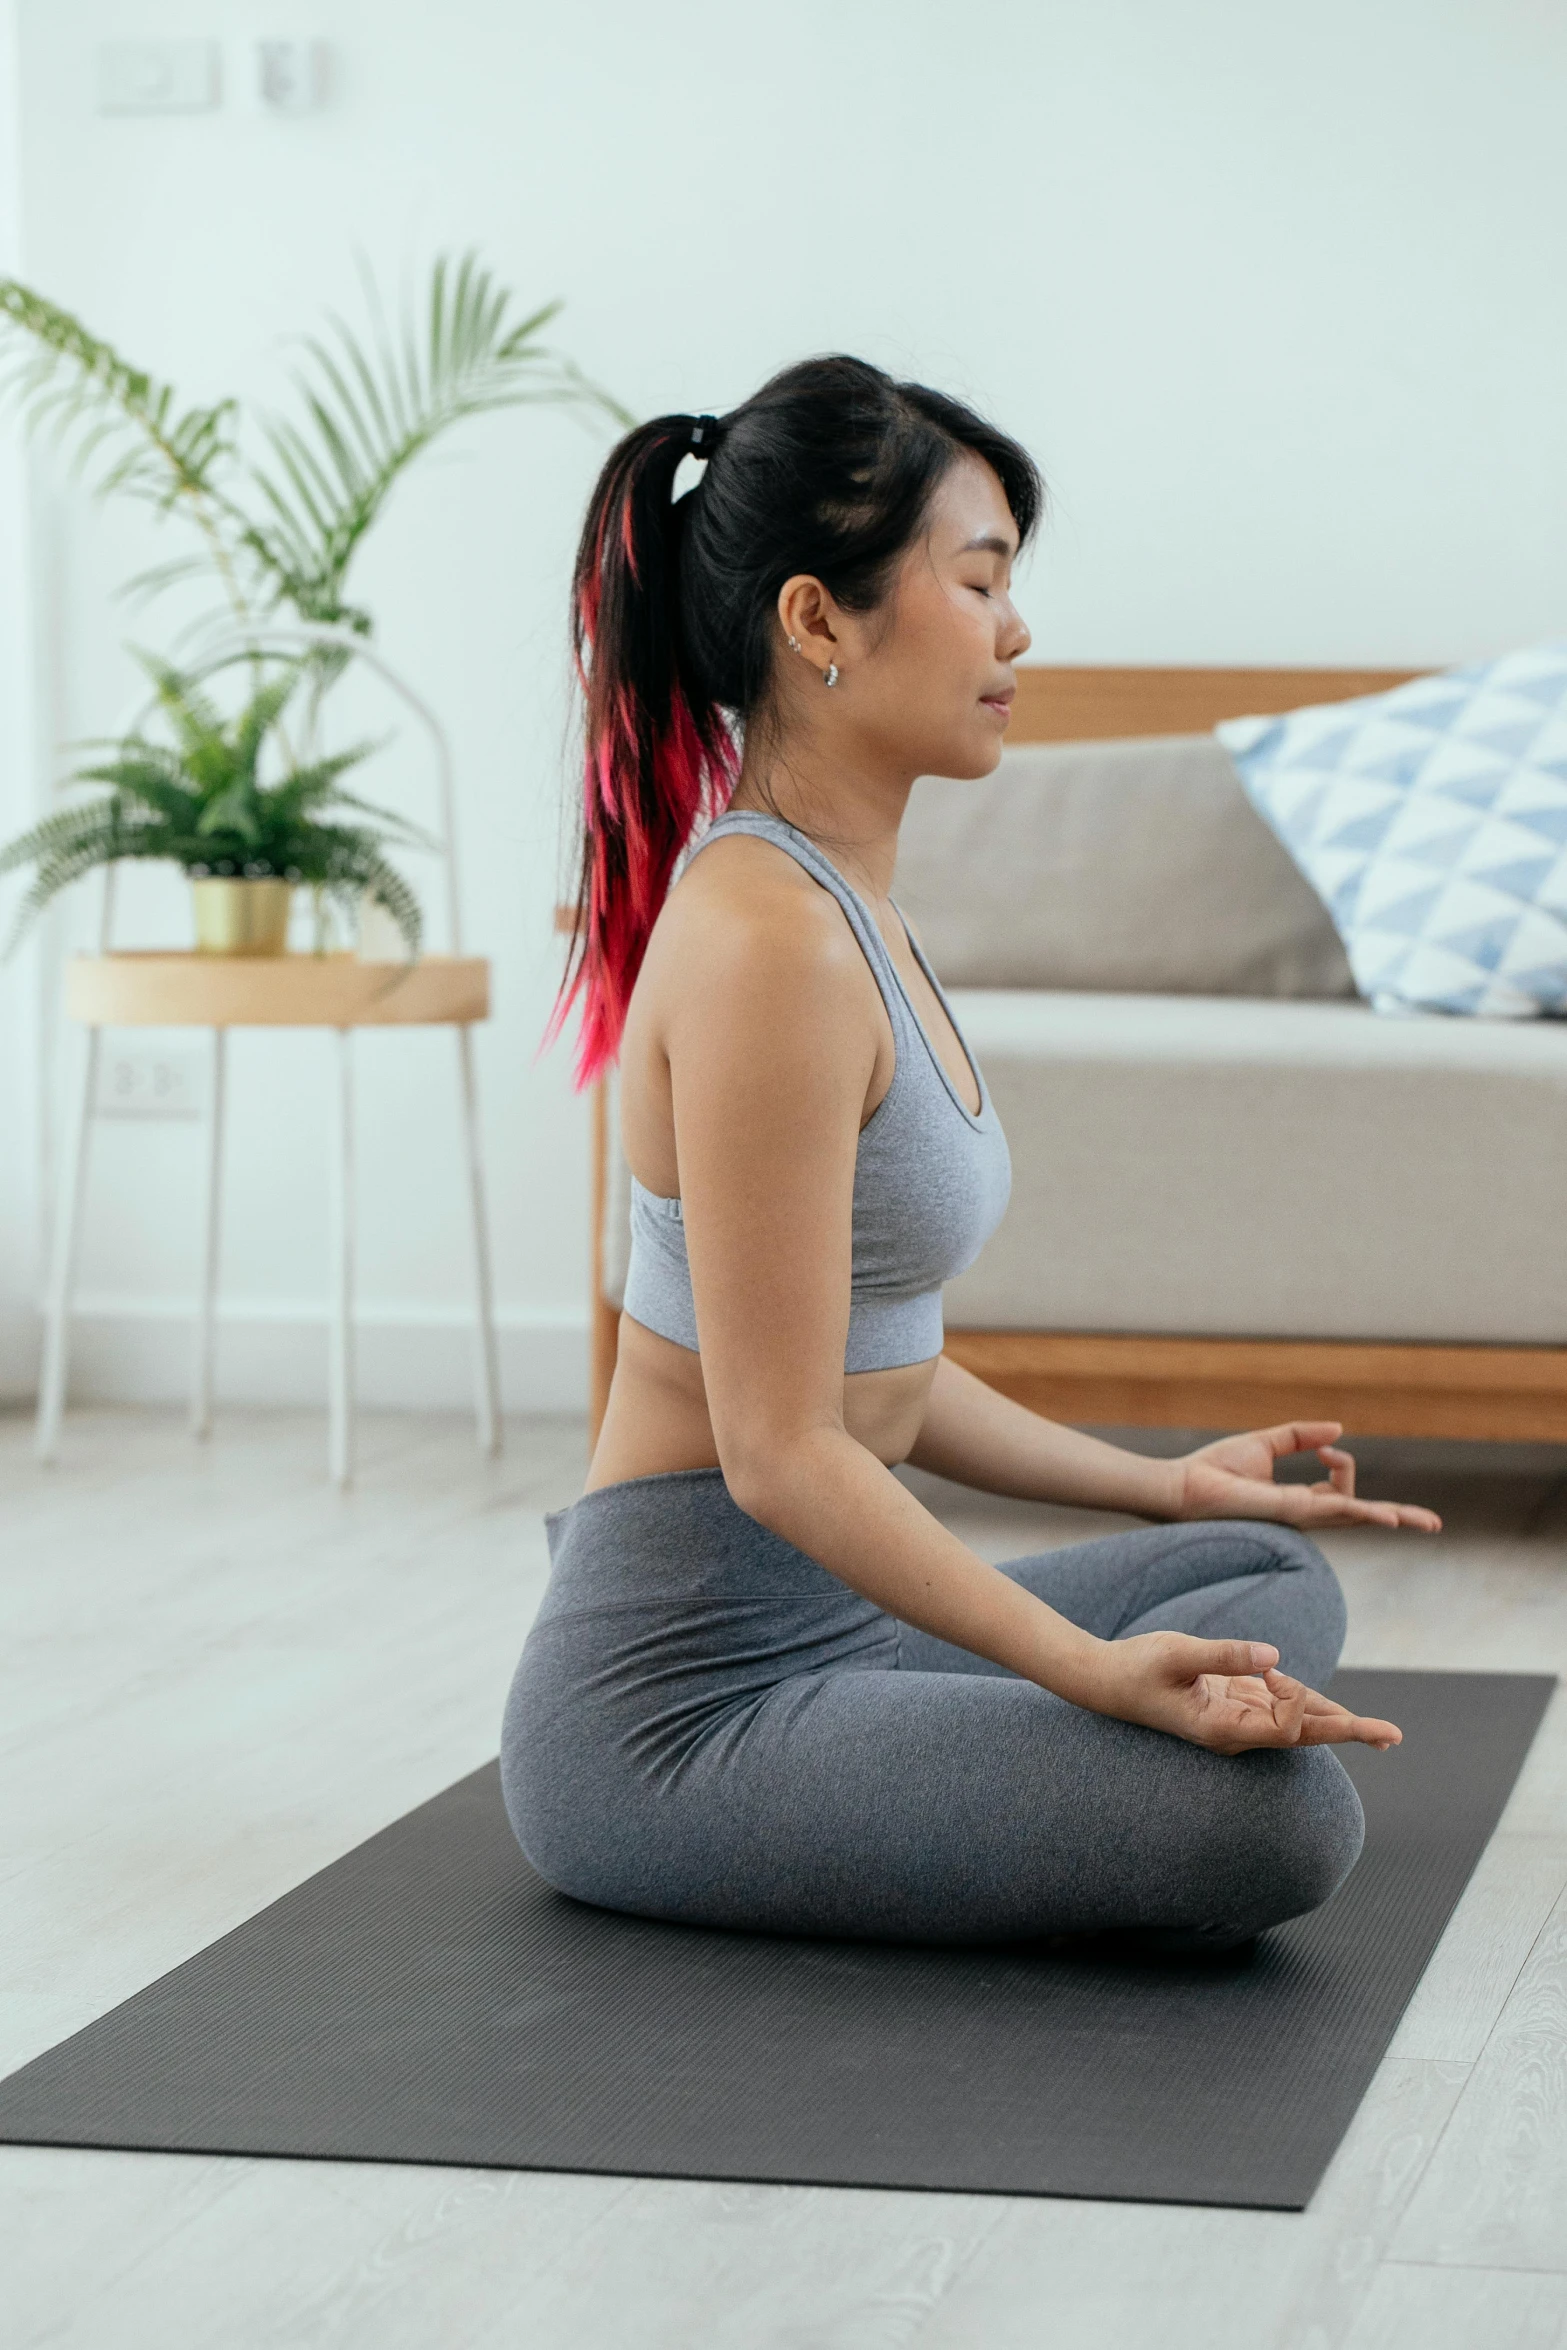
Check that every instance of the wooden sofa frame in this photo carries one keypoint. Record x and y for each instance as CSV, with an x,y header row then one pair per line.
x,y
1499,1393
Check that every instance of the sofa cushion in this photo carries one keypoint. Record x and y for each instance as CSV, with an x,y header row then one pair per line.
x,y
1127,866
1433,821
1213,1167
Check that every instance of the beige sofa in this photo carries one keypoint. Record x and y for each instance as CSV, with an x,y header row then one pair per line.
x,y
1238,1193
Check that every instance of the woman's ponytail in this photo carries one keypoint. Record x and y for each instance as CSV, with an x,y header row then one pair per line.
x,y
659,754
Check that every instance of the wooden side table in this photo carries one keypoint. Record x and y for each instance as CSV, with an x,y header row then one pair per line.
x,y
338,992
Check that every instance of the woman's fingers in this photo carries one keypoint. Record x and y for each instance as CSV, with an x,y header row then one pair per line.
x,y
1233,1720
1289,1707
1237,1714
1340,1467
1329,1505
1233,1494
1228,1695
1292,1436
1332,1502
1326,1723
1339,1728
1190,1659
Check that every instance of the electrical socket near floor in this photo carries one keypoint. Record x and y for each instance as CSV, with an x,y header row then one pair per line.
x,y
151,1081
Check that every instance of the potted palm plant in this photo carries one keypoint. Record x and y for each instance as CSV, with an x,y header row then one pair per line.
x,y
199,801
277,508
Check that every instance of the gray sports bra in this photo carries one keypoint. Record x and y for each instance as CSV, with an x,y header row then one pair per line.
x,y
931,1180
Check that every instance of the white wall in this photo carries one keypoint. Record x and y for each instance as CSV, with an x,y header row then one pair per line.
x,y
1273,293
19,997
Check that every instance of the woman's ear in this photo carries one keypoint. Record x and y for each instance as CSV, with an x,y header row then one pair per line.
x,y
809,617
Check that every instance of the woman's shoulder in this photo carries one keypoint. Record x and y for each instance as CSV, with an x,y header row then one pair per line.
x,y
745,900
753,970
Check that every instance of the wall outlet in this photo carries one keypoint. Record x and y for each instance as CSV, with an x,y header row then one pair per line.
x,y
158,77
146,1081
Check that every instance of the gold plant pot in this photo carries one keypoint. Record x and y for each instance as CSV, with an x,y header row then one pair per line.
x,y
241,917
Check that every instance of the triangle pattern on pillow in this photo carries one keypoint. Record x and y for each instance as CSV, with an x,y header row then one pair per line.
x,y
1432,822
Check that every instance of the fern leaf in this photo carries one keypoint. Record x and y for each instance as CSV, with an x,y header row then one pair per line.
x,y
57,835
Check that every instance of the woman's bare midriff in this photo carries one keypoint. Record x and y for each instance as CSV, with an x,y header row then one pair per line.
x,y
657,1418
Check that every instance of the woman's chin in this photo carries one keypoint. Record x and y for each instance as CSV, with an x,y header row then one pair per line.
x,y
979,757
967,754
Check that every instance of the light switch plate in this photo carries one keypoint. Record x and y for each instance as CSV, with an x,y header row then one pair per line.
x,y
158,77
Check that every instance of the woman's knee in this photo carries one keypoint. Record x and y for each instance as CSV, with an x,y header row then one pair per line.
x,y
1308,1835
1284,1548
1315,1593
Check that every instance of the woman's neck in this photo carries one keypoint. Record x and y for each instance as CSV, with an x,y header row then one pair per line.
x,y
851,807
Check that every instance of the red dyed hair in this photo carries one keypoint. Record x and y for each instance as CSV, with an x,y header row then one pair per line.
x,y
660,760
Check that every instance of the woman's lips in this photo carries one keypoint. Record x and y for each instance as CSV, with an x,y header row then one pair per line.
x,y
1000,703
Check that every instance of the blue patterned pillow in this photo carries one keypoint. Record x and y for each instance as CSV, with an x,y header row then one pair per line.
x,y
1432,823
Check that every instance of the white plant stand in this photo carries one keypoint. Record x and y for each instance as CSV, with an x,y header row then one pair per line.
x,y
337,992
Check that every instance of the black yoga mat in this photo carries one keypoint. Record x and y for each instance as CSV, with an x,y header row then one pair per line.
x,y
429,1999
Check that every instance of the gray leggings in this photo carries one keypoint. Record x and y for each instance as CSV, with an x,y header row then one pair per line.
x,y
707,1726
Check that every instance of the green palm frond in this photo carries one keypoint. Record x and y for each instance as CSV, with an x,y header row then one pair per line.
x,y
285,531
370,407
143,586
68,382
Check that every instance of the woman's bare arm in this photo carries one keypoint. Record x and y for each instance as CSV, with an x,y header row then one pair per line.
x,y
977,1437
772,1039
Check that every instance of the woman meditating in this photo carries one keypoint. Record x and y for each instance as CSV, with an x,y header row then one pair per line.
x,y
767,1688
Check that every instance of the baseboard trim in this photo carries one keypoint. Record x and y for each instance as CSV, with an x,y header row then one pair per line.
x,y
408,1356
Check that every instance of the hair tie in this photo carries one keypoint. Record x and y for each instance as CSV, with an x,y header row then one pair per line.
x,y
706,433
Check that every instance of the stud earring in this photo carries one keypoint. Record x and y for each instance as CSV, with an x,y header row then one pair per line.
x,y
831,677
793,643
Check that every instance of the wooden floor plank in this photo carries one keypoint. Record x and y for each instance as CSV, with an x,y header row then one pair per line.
x,y
1495,2193
1482,1953
285,2257
1461,2309
734,2267
1208,2280
74,2222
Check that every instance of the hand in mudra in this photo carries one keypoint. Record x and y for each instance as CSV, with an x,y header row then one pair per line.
x,y
1234,1479
1225,1694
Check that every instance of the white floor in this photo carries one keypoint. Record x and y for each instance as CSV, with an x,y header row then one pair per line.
x,y
218,1675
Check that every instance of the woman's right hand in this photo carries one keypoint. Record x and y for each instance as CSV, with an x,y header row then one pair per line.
x,y
1225,1694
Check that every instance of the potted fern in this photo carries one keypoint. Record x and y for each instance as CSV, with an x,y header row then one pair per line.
x,y
200,802
278,508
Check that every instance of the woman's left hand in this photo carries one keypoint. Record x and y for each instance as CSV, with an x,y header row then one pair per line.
x,y
1234,1479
